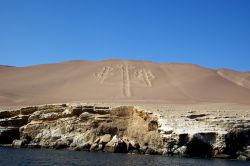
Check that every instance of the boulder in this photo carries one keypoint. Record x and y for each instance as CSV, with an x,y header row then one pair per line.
x,y
134,145
112,145
105,138
242,157
93,147
180,151
19,143
97,140
117,145
78,140
84,116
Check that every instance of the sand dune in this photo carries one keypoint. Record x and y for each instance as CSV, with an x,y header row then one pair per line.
x,y
121,80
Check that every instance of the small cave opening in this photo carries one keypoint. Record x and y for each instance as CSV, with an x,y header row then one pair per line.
x,y
183,139
121,148
8,135
199,147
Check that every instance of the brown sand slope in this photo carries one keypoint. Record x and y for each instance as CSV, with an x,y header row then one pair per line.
x,y
239,78
119,80
4,67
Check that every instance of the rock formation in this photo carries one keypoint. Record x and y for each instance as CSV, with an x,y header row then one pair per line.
x,y
126,129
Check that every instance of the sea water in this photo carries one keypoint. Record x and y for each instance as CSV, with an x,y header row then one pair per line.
x,y
47,157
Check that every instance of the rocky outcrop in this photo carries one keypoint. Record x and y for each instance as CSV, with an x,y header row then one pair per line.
x,y
203,135
125,129
80,127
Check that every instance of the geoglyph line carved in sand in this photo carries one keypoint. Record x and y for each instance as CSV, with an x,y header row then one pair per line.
x,y
125,79
148,75
103,74
142,74
145,75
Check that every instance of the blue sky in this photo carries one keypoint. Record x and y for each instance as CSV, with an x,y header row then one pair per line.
x,y
211,33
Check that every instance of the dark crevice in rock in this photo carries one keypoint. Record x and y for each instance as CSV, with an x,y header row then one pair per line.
x,y
194,116
9,134
237,141
199,147
183,139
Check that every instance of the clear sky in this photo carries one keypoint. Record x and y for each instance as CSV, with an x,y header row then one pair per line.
x,y
211,33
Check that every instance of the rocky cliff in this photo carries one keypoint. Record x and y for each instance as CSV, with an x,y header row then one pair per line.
x,y
127,129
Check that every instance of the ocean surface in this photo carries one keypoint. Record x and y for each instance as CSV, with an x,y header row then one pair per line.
x,y
47,157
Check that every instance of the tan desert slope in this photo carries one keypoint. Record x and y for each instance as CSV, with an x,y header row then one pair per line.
x,y
4,67
239,78
121,80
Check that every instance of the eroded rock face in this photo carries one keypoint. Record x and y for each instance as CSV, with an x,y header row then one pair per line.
x,y
120,130
81,128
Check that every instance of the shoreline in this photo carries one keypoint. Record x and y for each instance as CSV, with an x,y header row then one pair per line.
x,y
102,152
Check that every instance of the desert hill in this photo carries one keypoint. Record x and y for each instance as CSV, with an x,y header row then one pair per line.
x,y
121,80
239,78
4,67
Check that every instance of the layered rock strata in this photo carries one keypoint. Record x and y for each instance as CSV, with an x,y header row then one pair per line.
x,y
125,129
